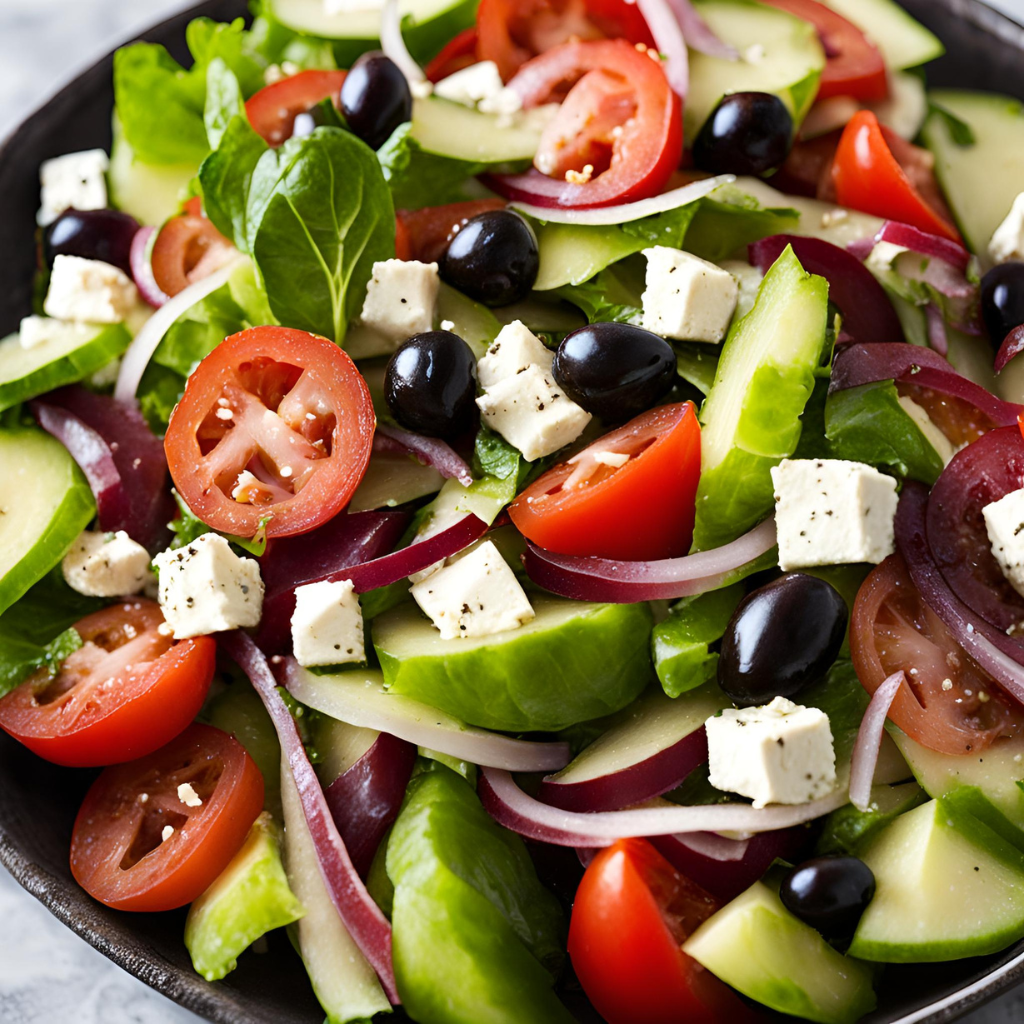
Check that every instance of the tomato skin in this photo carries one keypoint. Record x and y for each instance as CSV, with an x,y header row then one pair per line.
x,y
188,248
424,234
105,708
457,54
126,808
273,109
642,510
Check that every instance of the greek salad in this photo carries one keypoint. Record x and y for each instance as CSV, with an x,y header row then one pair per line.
x,y
525,498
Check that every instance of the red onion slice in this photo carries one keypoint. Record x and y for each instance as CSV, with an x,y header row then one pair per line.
x,y
698,34
142,269
668,38
869,741
586,578
908,237
1012,346
393,44
936,329
430,450
362,917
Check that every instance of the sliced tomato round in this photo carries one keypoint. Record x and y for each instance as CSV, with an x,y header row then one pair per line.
x,y
272,111
456,55
274,431
642,509
631,915
948,703
125,692
424,234
961,422
153,834
187,249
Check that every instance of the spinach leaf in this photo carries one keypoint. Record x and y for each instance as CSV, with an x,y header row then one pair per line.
x,y
418,178
19,658
224,100
730,220
226,174
494,456
613,295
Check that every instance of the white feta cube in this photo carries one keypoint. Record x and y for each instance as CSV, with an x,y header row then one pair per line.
x,y
480,81
687,298
76,181
1004,521
401,298
532,413
1007,242
327,624
778,754
831,512
106,565
35,331
206,588
476,595
89,291
935,437
516,348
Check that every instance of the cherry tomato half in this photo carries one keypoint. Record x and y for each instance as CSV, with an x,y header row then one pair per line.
x,y
643,509
138,845
125,692
272,111
632,913
187,249
288,407
424,234
456,55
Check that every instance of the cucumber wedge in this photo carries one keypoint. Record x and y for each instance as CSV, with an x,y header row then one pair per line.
x,y
45,504
904,42
454,130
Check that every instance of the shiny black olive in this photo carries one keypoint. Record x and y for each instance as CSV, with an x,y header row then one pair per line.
x,y
829,893
430,384
375,98
614,370
747,133
1002,300
493,258
782,637
92,234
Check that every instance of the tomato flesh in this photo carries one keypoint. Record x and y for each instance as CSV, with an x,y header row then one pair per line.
x,y
272,111
187,249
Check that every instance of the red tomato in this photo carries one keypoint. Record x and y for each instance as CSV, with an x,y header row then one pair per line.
x,y
878,172
127,691
807,170
643,509
187,249
940,705
119,855
424,234
855,66
457,54
632,913
289,407
960,421
272,111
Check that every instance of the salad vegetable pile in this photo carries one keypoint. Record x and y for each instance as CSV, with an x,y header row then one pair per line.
x,y
527,496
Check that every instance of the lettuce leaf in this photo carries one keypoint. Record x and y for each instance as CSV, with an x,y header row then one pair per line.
x,y
418,178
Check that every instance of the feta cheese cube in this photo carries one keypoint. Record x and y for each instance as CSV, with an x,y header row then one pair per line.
x,y
89,291
1007,242
831,512
106,565
401,298
935,437
476,595
327,624
778,754
531,413
206,588
43,330
480,81
686,297
516,348
1004,521
74,181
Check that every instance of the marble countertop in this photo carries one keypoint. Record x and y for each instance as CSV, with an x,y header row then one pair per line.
x,y
48,974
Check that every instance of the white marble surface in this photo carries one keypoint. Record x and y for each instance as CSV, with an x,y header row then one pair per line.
x,y
47,974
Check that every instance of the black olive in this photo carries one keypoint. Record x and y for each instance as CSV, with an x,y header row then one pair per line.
x,y
829,893
614,370
747,133
494,258
92,234
430,384
375,98
1002,300
782,637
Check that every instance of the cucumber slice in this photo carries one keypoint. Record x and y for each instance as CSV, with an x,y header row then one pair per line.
x,y
71,353
575,661
778,54
847,829
45,504
904,42
758,947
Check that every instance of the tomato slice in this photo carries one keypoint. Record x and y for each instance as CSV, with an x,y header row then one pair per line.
x,y
125,692
961,422
288,407
640,510
272,111
878,172
119,853
424,234
632,913
187,249
457,54
948,703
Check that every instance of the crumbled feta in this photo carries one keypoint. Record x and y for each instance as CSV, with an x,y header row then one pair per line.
x,y
686,297
748,281
532,414
166,832
587,462
516,348
778,754
1004,520
188,795
278,72
43,330
76,181
1007,242
401,298
206,588
480,81
831,512
89,291
935,437
327,624
883,255
106,565
476,595
245,486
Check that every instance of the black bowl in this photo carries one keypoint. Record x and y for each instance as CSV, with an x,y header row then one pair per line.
x,y
38,801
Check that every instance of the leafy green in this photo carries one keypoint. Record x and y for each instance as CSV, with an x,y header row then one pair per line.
x,y
226,174
187,528
730,219
846,830
841,696
418,178
612,296
494,456
19,658
48,608
224,101
959,131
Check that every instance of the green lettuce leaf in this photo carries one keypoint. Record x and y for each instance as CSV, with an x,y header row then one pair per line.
x,y
418,178
729,220
19,658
